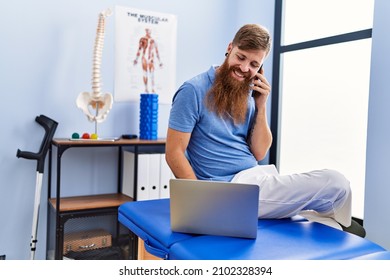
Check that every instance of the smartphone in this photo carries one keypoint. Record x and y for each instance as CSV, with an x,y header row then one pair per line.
x,y
254,91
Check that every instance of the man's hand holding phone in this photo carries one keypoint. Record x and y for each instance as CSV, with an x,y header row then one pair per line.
x,y
261,88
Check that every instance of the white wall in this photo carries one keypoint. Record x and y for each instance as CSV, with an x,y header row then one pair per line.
x,y
45,62
377,194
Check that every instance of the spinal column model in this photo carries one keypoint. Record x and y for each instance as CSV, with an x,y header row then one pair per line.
x,y
100,103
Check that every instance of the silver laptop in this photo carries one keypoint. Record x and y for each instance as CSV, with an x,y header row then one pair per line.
x,y
214,208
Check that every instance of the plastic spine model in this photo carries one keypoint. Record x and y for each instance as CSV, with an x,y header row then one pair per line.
x,y
100,103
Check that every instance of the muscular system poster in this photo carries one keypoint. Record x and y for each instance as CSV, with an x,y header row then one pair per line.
x,y
145,54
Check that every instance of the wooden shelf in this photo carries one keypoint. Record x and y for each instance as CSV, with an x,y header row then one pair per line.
x,y
119,142
65,208
80,203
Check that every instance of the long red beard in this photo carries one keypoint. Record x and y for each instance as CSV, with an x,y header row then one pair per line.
x,y
228,97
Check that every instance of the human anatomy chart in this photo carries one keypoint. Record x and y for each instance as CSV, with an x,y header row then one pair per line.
x,y
145,54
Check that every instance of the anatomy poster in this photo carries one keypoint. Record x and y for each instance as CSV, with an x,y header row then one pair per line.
x,y
145,54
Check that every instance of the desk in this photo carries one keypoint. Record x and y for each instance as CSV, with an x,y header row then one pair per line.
x,y
66,208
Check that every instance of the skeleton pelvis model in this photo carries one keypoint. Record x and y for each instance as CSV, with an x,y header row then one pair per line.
x,y
96,105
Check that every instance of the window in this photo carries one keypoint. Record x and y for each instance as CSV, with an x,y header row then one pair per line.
x,y
306,20
321,87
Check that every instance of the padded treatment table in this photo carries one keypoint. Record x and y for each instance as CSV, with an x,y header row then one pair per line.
x,y
382,255
277,239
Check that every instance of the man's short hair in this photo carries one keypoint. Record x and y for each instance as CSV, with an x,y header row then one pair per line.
x,y
252,37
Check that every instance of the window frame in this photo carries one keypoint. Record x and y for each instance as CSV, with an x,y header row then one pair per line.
x,y
278,51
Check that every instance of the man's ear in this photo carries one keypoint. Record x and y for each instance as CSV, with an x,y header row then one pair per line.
x,y
229,48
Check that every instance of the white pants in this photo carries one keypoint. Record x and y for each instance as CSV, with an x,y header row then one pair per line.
x,y
323,196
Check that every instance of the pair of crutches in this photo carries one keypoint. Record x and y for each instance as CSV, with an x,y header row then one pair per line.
x,y
50,127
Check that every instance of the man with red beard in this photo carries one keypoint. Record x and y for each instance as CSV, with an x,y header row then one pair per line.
x,y
218,130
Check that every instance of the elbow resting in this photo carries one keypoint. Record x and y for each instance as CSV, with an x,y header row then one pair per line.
x,y
260,156
168,158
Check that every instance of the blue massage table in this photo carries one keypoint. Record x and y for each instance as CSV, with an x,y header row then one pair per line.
x,y
277,239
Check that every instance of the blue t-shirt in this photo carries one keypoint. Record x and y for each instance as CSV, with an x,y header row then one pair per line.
x,y
218,148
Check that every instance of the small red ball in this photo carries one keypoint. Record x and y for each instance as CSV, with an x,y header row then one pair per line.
x,y
85,136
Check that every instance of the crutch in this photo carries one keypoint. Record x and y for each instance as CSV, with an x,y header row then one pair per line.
x,y
50,127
